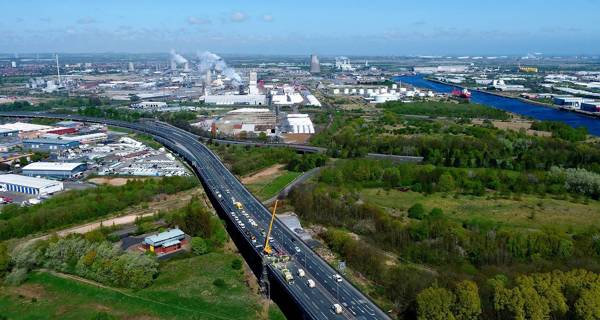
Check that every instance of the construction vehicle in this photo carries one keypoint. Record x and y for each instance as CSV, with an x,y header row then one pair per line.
x,y
287,275
268,249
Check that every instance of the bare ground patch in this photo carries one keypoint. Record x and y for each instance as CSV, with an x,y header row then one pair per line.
x,y
268,172
113,181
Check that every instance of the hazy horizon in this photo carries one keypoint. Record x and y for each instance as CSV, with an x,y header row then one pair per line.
x,y
379,28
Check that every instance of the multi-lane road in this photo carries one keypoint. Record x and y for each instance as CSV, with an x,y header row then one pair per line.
x,y
251,220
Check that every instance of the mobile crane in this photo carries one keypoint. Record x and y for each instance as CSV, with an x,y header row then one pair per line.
x,y
267,249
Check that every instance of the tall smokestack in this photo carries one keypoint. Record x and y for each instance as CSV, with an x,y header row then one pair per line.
x,y
315,66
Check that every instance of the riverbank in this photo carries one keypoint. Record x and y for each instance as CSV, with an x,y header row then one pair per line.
x,y
594,115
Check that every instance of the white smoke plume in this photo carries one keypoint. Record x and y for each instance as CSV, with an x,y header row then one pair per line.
x,y
179,59
211,61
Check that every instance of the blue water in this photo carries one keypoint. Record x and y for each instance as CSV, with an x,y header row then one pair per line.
x,y
512,105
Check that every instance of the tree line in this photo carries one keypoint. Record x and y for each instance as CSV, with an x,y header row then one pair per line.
x,y
445,109
476,181
198,222
96,260
455,144
82,205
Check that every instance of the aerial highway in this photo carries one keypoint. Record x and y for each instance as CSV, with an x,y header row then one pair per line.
x,y
311,283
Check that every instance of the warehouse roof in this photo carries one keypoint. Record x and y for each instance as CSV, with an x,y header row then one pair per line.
x,y
24,127
158,239
27,181
53,166
50,141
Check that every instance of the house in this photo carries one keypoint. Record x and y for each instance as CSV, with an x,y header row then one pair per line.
x,y
165,242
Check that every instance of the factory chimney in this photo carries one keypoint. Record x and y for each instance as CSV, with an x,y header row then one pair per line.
x,y
315,66
58,71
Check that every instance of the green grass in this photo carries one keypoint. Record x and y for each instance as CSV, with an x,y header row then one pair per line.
x,y
183,290
275,313
272,185
528,212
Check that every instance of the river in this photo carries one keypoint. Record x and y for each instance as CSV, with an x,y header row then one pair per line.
x,y
511,105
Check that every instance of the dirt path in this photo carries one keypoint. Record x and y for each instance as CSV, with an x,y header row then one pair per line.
x,y
257,176
127,216
113,181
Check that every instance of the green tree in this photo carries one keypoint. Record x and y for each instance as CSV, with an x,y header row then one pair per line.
x,y
468,303
236,264
446,182
587,306
417,211
435,304
4,259
199,246
262,136
436,213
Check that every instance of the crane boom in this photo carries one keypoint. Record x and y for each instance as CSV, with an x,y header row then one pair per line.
x,y
267,248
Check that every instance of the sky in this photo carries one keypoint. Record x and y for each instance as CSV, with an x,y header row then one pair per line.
x,y
325,27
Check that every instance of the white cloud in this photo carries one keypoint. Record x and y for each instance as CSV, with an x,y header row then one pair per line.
x,y
238,16
197,20
267,18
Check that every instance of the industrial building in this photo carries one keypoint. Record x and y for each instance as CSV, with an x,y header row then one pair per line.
x,y
57,170
248,120
165,242
236,99
8,139
49,145
298,123
150,105
592,106
87,138
26,130
70,124
439,69
29,185
568,101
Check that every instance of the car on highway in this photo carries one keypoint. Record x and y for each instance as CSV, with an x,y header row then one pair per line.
x,y
336,308
310,283
337,277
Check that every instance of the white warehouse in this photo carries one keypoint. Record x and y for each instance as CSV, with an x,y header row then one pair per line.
x,y
299,123
29,185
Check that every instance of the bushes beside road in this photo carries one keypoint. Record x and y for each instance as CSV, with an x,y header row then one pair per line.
x,y
78,206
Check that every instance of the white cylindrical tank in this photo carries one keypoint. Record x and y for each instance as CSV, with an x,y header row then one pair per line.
x,y
353,91
346,91
361,91
336,91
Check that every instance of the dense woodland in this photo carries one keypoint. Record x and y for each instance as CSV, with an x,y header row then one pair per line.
x,y
244,160
82,205
457,143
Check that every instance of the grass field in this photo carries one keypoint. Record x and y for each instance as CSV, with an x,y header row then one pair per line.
x,y
270,186
183,290
529,212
